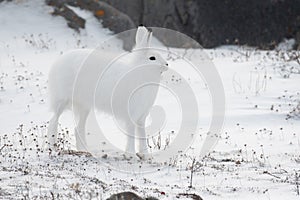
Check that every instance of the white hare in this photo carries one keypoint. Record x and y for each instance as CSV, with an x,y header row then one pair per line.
x,y
122,89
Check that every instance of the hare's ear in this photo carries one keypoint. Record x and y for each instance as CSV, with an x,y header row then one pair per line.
x,y
141,37
149,37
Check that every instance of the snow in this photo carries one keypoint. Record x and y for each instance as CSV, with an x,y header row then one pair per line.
x,y
257,155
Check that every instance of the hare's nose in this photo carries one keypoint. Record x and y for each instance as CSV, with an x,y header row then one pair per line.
x,y
165,67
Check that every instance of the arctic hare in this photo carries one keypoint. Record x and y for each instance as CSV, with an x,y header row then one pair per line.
x,y
122,90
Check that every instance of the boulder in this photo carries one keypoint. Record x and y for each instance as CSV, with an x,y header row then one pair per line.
x,y
217,22
128,196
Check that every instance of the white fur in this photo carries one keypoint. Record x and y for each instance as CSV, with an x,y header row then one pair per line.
x,y
74,83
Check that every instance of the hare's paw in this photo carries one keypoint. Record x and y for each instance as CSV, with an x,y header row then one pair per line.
x,y
52,146
81,146
127,156
144,156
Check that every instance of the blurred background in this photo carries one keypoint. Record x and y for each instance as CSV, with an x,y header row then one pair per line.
x,y
257,23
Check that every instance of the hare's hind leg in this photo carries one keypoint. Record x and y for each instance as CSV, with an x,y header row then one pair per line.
x,y
140,130
53,123
143,152
80,130
130,132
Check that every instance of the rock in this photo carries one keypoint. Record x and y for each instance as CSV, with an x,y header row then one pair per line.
x,y
218,22
297,45
191,196
5,0
132,8
110,17
151,198
128,196
255,23
297,37
74,153
74,21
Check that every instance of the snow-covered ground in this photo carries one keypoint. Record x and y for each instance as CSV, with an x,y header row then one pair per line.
x,y
257,155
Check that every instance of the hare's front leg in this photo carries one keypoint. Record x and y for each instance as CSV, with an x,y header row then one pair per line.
x,y
53,124
143,146
130,146
80,131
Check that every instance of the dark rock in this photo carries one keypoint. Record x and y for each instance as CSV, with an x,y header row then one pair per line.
x,y
192,196
73,20
297,45
128,196
110,17
254,23
133,8
5,0
217,22
151,198
297,37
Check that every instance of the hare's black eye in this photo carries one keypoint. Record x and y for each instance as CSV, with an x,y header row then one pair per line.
x,y
152,58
